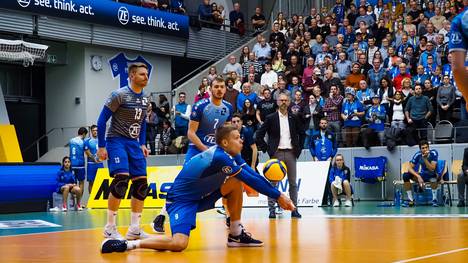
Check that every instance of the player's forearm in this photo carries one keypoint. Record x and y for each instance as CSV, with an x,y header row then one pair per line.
x,y
195,140
105,115
254,155
257,182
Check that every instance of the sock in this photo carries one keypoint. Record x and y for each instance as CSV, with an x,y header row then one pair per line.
x,y
235,229
434,194
135,220
133,244
111,215
163,211
410,195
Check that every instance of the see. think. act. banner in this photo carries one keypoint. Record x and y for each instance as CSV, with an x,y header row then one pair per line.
x,y
106,12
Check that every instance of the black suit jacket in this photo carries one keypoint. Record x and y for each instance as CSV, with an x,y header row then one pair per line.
x,y
271,126
465,161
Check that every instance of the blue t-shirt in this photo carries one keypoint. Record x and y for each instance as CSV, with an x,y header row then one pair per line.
x,y
458,40
204,174
210,117
91,144
418,161
76,146
349,108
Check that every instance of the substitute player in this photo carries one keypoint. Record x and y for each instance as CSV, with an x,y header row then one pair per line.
x,y
207,115
125,149
76,147
208,176
91,148
457,47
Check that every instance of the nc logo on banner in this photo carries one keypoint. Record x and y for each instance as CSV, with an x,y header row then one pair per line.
x,y
24,3
123,15
119,67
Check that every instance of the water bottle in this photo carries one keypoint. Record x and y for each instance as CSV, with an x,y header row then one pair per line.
x,y
397,200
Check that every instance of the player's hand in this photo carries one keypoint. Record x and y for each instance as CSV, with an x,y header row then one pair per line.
x,y
286,203
420,181
145,151
102,154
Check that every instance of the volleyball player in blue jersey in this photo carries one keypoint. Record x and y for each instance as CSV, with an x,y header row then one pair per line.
x,y
208,176
91,148
458,43
76,147
124,147
207,115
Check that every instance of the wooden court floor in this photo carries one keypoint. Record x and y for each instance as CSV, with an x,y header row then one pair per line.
x,y
310,239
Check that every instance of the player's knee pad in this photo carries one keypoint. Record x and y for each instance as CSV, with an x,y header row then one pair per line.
x,y
406,177
140,189
119,186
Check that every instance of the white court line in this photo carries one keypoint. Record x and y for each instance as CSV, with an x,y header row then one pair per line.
x,y
433,255
383,216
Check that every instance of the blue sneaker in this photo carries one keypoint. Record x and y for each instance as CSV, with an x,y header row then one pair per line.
x,y
113,245
435,203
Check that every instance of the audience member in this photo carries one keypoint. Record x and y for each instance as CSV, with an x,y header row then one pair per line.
x,y
339,178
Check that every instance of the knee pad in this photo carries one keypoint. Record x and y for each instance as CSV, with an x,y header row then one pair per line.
x,y
119,186
140,189
407,177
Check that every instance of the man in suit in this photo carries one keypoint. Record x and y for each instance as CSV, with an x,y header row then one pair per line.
x,y
285,141
462,180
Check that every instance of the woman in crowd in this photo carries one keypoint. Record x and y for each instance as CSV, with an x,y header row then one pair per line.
x,y
212,74
166,136
431,92
445,99
396,112
203,91
339,178
406,87
151,127
278,64
244,56
248,113
66,183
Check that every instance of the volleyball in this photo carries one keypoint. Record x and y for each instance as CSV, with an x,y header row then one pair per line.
x,y
274,170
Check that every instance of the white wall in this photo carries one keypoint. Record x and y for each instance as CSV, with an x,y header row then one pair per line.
x,y
77,79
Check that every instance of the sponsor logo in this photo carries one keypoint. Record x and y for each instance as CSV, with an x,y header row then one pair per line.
x,y
24,3
456,38
115,67
134,130
368,168
123,15
227,169
210,138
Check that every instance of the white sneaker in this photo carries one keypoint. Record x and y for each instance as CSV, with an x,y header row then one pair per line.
x,y
64,209
54,209
348,203
279,211
221,211
111,232
336,203
133,234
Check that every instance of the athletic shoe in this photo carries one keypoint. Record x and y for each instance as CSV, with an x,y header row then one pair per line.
x,y
408,204
113,245
112,233
221,211
461,203
158,224
348,203
295,214
64,209
243,240
336,203
54,209
279,211
79,207
272,214
133,234
435,203
228,222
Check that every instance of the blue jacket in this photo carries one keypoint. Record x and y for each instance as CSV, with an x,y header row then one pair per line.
x,y
420,79
241,98
323,147
179,121
204,11
343,173
378,124
65,177
349,108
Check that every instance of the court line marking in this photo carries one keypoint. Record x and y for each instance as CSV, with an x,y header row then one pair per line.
x,y
383,216
432,255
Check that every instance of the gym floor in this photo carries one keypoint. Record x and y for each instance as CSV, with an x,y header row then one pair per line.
x,y
364,233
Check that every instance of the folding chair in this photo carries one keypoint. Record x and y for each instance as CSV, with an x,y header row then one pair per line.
x,y
371,170
443,132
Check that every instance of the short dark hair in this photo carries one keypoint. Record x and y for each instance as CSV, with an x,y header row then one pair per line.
x,y
237,115
422,143
218,79
324,119
135,66
82,131
94,126
182,93
223,132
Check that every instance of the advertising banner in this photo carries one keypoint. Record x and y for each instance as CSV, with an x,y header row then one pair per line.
x,y
107,12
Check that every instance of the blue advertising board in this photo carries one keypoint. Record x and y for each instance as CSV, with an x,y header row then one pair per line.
x,y
106,12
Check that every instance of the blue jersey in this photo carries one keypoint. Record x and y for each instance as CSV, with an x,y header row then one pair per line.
x,y
350,108
458,40
65,177
203,174
128,113
76,146
418,161
119,67
210,117
91,144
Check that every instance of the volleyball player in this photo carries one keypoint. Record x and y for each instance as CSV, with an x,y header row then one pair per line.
x,y
208,176
125,149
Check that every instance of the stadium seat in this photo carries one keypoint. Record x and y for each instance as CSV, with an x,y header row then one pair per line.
x,y
443,132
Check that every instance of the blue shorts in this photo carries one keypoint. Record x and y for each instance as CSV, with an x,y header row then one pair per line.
x,y
125,156
183,214
79,173
192,151
92,170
